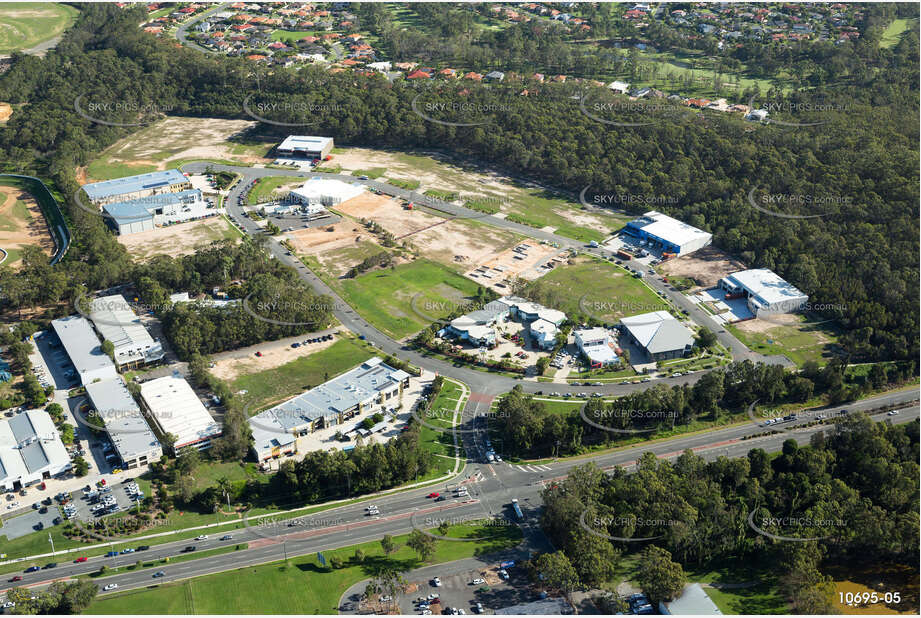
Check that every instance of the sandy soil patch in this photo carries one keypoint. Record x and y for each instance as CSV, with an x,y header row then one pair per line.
x,y
177,138
181,239
763,326
6,110
274,354
502,267
706,266
450,242
32,231
438,177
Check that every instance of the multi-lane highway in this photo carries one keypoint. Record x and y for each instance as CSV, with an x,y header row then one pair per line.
x,y
491,488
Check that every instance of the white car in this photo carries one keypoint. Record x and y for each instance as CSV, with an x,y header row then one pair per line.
x,y
201,537
478,581
9,604
436,582
386,598
893,412
110,587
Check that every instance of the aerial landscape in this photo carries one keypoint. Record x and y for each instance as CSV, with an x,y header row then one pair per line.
x,y
416,308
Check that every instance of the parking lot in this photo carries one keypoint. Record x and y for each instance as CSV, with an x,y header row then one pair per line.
x,y
29,521
458,591
87,506
51,364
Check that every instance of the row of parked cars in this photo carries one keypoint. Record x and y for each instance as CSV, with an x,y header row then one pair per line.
x,y
312,340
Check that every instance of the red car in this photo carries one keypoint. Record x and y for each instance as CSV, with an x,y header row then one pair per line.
x,y
434,494
18,578
81,559
258,353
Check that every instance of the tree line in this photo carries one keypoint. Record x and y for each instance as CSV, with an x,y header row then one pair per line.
x,y
854,485
858,262
529,430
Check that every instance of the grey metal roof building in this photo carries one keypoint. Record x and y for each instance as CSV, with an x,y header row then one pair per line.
x,y
130,187
30,450
116,322
84,349
131,436
275,430
660,334
692,602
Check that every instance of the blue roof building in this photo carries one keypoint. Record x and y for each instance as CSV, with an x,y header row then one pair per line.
x,y
131,187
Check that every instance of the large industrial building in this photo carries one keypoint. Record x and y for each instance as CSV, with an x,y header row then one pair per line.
x,y
84,349
766,292
134,441
146,213
308,146
358,391
30,450
135,187
665,234
318,194
597,345
659,334
176,409
116,322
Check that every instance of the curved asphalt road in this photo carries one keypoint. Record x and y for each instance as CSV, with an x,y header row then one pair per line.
x,y
479,381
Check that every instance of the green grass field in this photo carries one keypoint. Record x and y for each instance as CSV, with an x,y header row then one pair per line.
x,y
24,25
802,342
264,188
103,169
894,31
387,298
291,37
293,378
299,586
598,288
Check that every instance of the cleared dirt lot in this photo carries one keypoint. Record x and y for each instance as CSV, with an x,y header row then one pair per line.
x,y
167,141
763,326
503,265
706,266
181,239
6,110
21,223
231,365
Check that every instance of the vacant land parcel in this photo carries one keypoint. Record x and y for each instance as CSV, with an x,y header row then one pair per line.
x,y
180,239
21,223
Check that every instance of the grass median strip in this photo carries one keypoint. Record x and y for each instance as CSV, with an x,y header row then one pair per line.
x,y
300,585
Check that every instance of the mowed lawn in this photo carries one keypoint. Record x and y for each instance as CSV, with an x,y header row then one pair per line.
x,y
299,586
398,300
292,378
600,289
24,25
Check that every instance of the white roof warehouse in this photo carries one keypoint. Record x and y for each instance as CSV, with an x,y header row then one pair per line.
x,y
668,234
30,450
176,409
131,436
83,348
116,322
766,292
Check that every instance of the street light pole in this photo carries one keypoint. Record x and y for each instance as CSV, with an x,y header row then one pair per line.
x,y
51,540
